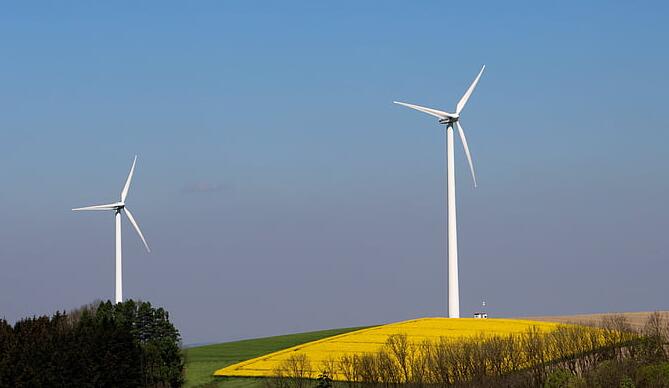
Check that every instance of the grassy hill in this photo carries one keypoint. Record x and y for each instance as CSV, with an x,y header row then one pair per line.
x,y
202,361
360,342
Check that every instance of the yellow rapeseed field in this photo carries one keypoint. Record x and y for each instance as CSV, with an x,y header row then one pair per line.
x,y
370,340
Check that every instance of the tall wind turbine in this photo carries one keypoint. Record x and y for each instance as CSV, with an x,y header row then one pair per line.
x,y
450,119
117,208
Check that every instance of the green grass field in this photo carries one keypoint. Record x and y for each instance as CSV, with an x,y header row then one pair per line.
x,y
202,361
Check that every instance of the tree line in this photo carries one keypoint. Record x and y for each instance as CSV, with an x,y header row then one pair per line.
x,y
610,354
128,344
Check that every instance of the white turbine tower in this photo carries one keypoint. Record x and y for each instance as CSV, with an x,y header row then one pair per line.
x,y
117,208
450,119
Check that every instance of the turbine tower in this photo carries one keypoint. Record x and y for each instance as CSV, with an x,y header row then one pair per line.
x,y
117,208
449,120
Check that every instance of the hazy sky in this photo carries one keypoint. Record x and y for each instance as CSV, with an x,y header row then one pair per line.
x,y
282,191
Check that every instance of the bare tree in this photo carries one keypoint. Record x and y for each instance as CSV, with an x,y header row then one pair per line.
x,y
330,366
655,338
439,362
293,372
402,352
348,367
368,368
73,316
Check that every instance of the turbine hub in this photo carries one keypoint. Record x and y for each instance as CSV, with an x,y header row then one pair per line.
x,y
449,119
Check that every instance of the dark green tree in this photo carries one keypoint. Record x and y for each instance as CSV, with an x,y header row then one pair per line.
x,y
128,344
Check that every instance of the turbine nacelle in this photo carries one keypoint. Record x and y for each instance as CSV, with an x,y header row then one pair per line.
x,y
451,119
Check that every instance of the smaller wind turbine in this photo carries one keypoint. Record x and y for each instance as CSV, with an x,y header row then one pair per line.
x,y
119,207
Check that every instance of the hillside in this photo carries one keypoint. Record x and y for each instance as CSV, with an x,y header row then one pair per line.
x,y
202,361
324,352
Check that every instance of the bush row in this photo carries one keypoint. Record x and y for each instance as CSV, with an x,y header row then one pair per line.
x,y
568,356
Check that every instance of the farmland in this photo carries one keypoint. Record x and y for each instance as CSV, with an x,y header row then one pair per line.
x,y
371,339
245,363
636,319
202,361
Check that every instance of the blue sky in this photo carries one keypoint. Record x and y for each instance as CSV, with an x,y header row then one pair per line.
x,y
281,190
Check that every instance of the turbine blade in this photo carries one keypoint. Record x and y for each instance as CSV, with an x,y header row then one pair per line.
x,y
463,100
430,111
110,206
124,193
139,232
469,156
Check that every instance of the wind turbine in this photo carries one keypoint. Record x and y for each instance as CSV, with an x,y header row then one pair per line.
x,y
117,208
450,119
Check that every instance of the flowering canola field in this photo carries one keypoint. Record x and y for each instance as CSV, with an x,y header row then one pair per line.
x,y
371,339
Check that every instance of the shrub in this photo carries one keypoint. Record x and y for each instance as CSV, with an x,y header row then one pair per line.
x,y
324,380
655,375
627,382
561,378
610,373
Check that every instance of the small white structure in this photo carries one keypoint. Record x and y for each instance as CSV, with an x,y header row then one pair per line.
x,y
482,314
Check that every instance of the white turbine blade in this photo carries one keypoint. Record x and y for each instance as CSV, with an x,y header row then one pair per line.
x,y
139,232
469,156
110,206
124,193
430,111
463,100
